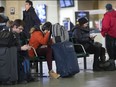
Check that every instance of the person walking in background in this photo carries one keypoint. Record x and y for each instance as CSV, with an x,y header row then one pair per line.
x,y
82,35
109,31
3,18
29,17
41,42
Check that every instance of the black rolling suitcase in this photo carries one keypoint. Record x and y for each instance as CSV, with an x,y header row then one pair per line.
x,y
65,58
8,64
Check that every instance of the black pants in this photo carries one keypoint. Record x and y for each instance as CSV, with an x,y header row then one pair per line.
x,y
99,54
111,46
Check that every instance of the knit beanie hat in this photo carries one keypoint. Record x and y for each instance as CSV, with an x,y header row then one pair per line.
x,y
82,20
108,6
1,9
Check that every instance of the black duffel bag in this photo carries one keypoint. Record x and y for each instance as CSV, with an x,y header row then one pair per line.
x,y
7,38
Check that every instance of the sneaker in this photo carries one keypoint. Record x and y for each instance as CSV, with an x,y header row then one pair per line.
x,y
53,74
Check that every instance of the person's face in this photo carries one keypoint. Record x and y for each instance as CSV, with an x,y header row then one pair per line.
x,y
17,29
27,6
45,31
85,25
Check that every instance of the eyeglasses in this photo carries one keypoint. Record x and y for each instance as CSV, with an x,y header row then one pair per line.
x,y
20,28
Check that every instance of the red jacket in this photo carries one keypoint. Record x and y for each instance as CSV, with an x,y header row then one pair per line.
x,y
37,39
109,24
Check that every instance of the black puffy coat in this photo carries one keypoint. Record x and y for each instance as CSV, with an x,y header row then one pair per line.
x,y
82,36
30,18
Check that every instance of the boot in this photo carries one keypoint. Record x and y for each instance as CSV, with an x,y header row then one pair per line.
x,y
103,62
53,74
111,66
96,66
103,58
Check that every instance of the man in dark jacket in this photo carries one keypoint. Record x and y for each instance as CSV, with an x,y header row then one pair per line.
x,y
29,17
24,74
82,35
3,18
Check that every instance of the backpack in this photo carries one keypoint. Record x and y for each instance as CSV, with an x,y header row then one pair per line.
x,y
59,33
7,38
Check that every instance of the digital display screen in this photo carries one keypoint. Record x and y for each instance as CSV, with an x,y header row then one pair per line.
x,y
66,3
41,12
62,4
66,25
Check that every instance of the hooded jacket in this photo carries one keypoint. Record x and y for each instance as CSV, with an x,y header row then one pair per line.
x,y
109,24
30,18
37,39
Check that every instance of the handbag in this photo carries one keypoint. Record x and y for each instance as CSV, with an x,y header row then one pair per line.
x,y
7,38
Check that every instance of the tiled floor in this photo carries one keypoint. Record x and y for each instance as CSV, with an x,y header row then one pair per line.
x,y
86,78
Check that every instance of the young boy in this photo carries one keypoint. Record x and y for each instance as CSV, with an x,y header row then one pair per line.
x,y
24,75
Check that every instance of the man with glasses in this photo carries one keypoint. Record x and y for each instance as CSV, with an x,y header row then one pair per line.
x,y
24,75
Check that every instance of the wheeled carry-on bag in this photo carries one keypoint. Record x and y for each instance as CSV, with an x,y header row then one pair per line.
x,y
8,64
65,57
